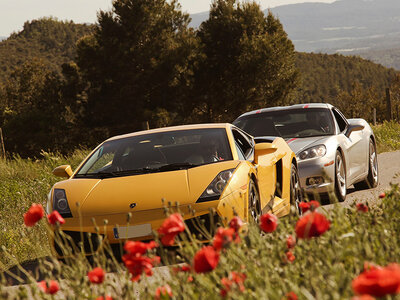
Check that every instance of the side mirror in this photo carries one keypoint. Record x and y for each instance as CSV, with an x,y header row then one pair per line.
x,y
63,171
263,149
353,127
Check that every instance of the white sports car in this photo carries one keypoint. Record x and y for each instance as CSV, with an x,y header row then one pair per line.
x,y
333,152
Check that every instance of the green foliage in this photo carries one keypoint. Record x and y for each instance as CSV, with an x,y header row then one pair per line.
x,y
324,267
47,38
23,182
387,136
247,61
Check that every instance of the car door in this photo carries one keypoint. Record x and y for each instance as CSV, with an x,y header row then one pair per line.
x,y
354,146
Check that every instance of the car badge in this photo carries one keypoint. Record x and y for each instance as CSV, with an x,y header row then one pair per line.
x,y
132,205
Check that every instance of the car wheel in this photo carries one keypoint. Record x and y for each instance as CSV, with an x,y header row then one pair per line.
x,y
296,195
254,203
372,178
340,177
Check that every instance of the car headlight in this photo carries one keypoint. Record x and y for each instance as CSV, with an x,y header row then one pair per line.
x,y
216,187
313,152
60,203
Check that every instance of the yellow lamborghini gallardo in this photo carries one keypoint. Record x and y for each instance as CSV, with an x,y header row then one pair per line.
x,y
193,167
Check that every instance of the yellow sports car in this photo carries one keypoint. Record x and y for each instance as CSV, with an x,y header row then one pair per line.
x,y
194,167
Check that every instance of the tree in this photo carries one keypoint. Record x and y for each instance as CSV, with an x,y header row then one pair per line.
x,y
247,61
139,59
33,114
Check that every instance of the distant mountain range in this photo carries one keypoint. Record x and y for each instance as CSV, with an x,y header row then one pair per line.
x,y
369,28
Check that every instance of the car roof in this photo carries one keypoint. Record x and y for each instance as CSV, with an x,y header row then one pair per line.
x,y
280,108
173,128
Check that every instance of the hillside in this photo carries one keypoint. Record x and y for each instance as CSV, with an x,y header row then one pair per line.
x,y
369,28
48,39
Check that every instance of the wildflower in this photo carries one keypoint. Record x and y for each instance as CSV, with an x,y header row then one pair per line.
x,y
311,225
138,264
163,292
223,237
268,223
183,268
139,247
382,195
104,298
362,207
363,297
236,223
291,296
171,227
290,256
305,206
50,287
290,241
96,275
378,281
206,260
236,280
55,217
33,215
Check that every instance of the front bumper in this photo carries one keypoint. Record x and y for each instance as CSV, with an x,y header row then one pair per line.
x,y
318,167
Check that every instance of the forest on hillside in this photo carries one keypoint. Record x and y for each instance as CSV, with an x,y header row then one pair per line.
x,y
64,85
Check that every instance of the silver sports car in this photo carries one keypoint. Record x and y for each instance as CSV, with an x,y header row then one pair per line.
x,y
333,152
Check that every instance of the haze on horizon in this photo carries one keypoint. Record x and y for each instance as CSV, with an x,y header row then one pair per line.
x,y
14,13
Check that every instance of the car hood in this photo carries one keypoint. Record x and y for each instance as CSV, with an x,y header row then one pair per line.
x,y
300,144
140,192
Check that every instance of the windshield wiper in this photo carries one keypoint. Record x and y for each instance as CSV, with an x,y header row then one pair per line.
x,y
176,166
103,174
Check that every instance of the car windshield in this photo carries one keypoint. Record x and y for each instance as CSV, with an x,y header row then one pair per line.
x,y
288,123
157,152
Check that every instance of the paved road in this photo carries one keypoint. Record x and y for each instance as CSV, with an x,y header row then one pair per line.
x,y
389,172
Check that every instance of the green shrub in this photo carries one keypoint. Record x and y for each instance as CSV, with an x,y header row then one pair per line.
x,y
387,136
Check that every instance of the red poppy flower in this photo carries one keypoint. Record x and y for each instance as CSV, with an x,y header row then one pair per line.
x,y
139,247
51,287
382,195
171,227
183,268
106,298
236,280
362,207
290,256
33,215
96,275
268,222
378,281
137,264
163,292
363,297
236,223
311,225
224,237
55,217
205,260
290,241
291,296
305,206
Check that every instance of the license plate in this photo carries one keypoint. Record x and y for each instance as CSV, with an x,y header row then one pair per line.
x,y
128,232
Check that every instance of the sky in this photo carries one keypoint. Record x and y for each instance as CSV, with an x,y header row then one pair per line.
x,y
14,13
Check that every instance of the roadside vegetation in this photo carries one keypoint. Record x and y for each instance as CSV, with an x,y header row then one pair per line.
x,y
387,136
311,257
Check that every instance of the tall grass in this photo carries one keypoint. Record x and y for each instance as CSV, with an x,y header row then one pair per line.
x,y
387,136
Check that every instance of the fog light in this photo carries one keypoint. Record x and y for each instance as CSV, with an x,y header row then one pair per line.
x,y
315,180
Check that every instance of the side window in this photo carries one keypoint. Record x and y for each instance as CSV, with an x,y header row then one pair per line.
x,y
340,120
240,152
243,143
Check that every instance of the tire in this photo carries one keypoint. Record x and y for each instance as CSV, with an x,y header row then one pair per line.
x,y
254,210
340,177
372,179
296,195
